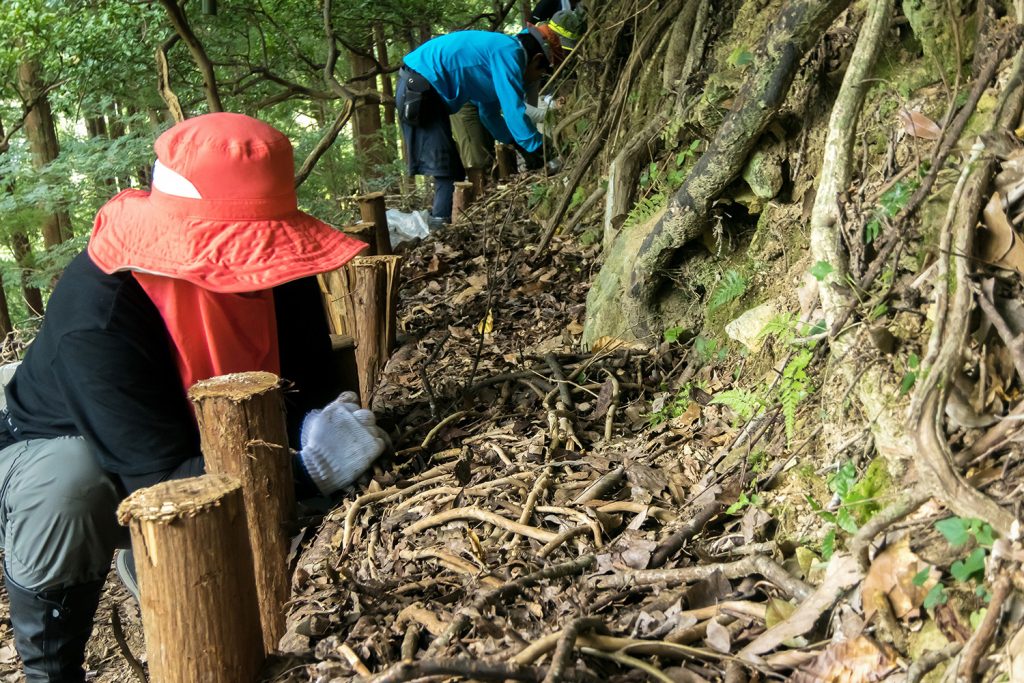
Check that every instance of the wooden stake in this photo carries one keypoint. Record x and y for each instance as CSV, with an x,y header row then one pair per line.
x,y
507,164
374,300
464,196
198,590
372,210
365,232
243,434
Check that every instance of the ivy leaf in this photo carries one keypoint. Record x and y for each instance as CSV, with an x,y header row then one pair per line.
x,y
954,529
936,596
828,545
909,379
672,334
821,270
972,565
922,576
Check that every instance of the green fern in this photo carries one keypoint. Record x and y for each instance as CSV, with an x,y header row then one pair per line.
x,y
782,327
746,404
794,387
731,287
644,210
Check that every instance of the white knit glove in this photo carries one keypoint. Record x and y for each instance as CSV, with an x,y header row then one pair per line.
x,y
339,443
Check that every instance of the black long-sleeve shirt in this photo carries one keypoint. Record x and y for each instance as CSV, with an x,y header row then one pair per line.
x,y
103,367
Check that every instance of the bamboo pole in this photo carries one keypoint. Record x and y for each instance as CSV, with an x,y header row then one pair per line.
x,y
244,435
464,196
372,210
195,571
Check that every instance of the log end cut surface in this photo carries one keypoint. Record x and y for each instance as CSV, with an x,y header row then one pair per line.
x,y
236,386
171,500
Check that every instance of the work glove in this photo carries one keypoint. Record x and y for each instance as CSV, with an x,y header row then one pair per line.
x,y
339,443
536,160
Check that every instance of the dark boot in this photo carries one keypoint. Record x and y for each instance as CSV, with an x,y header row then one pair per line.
x,y
51,629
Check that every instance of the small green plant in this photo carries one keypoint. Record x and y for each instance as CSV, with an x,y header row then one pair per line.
x,y
708,349
688,153
672,407
645,209
744,502
741,56
730,287
821,270
673,334
578,197
746,404
890,203
859,500
794,388
910,376
958,531
538,194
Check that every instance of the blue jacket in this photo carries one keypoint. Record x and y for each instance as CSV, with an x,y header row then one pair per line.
x,y
486,69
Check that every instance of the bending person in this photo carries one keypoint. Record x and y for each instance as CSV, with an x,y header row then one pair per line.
x,y
207,274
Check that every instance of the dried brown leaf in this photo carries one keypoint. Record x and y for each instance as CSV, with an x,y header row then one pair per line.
x,y
860,660
919,125
998,242
718,637
891,576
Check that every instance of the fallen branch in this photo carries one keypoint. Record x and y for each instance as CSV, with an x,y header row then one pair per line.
x,y
463,668
975,648
562,658
481,516
462,619
842,573
671,545
756,564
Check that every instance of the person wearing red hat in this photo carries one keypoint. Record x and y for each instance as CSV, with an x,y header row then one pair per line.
x,y
488,69
210,272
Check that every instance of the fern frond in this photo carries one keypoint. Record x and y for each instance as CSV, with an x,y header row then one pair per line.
x,y
644,210
731,287
746,404
794,388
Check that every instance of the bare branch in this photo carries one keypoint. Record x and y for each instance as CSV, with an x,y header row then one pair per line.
x,y
179,21
329,136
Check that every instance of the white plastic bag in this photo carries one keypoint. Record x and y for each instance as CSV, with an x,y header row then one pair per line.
x,y
403,227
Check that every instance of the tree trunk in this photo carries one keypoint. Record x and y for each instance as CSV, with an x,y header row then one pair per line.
x,y
387,87
370,150
22,250
198,594
6,326
42,138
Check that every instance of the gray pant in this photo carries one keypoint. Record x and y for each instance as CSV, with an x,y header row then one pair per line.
x,y
58,523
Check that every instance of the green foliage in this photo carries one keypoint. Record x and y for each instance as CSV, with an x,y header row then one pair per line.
x,y
746,404
671,407
730,287
741,56
672,334
958,532
910,376
821,270
578,197
644,210
890,203
794,388
708,349
744,501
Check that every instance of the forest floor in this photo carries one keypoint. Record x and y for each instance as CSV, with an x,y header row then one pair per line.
x,y
602,514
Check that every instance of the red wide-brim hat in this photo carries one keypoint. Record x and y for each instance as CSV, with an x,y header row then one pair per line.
x,y
235,227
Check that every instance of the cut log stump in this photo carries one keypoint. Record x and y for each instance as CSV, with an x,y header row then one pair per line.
x,y
198,589
374,286
244,435
465,194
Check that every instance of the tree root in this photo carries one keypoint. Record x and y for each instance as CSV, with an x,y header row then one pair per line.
x,y
464,668
974,649
562,658
462,619
481,516
756,564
